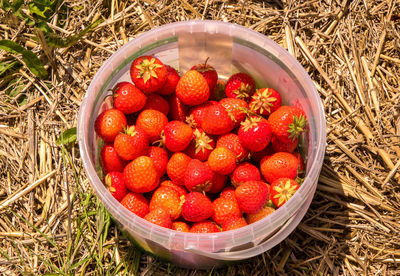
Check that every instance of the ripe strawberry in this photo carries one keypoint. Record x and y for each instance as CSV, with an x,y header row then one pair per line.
x,y
255,133
265,211
141,175
265,101
170,83
245,172
252,196
157,102
196,114
222,160
224,208
167,198
148,73
201,145
192,88
131,144
198,176
217,182
257,156
209,74
287,123
152,122
228,193
286,146
204,227
159,156
127,98
217,121
176,167
160,217
197,207
180,226
136,203
177,109
179,189
302,166
109,159
241,86
282,190
233,222
279,165
219,91
109,123
231,141
235,109
177,135
115,183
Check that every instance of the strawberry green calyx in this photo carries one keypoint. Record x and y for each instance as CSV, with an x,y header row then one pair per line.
x,y
297,127
250,123
191,121
160,142
285,191
108,182
263,100
243,91
202,141
147,69
131,131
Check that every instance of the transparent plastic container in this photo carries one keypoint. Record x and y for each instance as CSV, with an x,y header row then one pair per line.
x,y
231,48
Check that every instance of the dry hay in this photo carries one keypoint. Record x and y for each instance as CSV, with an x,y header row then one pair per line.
x,y
351,51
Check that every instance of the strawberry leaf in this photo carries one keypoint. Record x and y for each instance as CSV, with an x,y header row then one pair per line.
x,y
67,137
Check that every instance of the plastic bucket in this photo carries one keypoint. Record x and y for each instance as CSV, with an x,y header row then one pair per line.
x,y
231,48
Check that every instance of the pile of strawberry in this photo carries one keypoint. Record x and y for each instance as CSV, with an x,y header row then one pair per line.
x,y
186,152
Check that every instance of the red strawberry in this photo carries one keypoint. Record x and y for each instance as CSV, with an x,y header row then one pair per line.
x,y
233,222
231,141
177,135
116,185
251,196
286,146
109,159
198,176
177,109
217,121
167,198
179,189
157,102
201,146
208,73
265,101
257,156
152,122
235,109
217,182
127,98
222,161
196,113
160,217
180,226
245,172
204,227
302,166
176,167
170,83
241,86
132,144
148,73
224,208
255,133
192,88
197,207
287,123
228,193
282,190
219,91
141,175
136,203
265,211
159,156
109,123
279,165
